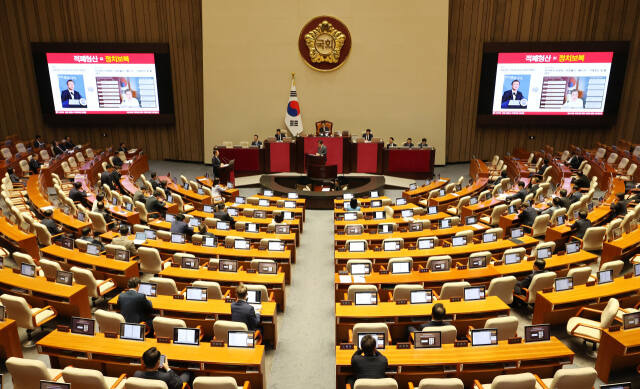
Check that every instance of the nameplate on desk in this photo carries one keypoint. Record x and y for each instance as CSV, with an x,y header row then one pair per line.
x,y
382,272
547,290
346,302
213,266
178,297
591,283
251,271
173,264
455,299
628,275
461,343
161,339
515,340
403,345
217,343
346,346
413,248
343,272
342,250
424,270
401,302
340,232
262,248
614,328
62,328
111,335
229,300
462,267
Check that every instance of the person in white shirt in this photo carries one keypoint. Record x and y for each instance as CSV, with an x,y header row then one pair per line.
x,y
129,101
573,101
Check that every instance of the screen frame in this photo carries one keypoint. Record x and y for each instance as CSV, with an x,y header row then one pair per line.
x,y
162,59
488,71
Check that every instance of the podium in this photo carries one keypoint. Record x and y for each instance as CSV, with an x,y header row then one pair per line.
x,y
317,168
225,174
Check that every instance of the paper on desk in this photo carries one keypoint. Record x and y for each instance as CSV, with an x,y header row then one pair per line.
x,y
345,279
47,208
454,194
358,279
478,226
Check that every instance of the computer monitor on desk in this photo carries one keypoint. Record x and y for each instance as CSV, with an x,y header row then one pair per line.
x,y
427,339
484,337
378,336
54,385
186,336
132,331
537,333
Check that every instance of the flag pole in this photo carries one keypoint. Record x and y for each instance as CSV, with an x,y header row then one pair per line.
x,y
293,78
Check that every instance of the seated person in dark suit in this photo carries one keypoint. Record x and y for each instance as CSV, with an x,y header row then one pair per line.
x,y
99,199
134,306
538,267
391,143
528,214
520,194
543,167
580,226
57,148
408,143
256,141
368,136
367,362
153,370
180,227
222,214
533,185
68,144
154,180
101,209
115,178
619,207
106,178
279,135
555,205
123,147
423,144
575,161
139,196
438,313
78,195
12,176
503,174
122,240
34,165
38,143
90,238
565,201
242,311
48,222
154,203
324,130
575,195
581,181
117,162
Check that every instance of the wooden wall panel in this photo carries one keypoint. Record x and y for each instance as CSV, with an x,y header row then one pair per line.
x,y
473,22
176,22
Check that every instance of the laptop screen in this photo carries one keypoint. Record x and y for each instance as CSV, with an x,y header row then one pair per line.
x,y
401,201
572,247
374,193
350,216
222,225
81,216
631,320
440,265
239,200
356,247
169,218
251,227
289,204
407,213
347,196
194,293
391,246
194,222
537,333
474,293
413,186
469,220
228,265
517,233
177,238
288,215
64,277
511,258
416,226
190,263
458,241
254,296
141,236
400,268
82,326
149,234
366,298
489,237
636,269
385,228
132,331
421,296
27,270
560,220
207,208
621,385
209,241
93,249
352,229
267,268
544,253
477,262
67,243
148,289
267,193
605,276
563,283
432,210
242,339
378,336
426,243
241,244
427,339
122,255
292,195
275,245
259,214
232,211
445,223
473,201
54,385
187,336
263,202
359,269
484,337
378,215
441,192
376,203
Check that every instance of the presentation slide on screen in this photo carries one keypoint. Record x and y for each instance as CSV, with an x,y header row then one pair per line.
x,y
103,83
567,83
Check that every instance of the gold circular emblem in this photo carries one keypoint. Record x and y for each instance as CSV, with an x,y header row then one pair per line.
x,y
324,43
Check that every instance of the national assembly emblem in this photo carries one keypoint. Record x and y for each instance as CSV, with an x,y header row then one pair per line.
x,y
324,43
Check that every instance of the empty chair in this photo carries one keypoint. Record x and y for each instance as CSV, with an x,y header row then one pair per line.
x,y
539,282
507,326
509,381
150,260
27,373
628,176
543,245
502,287
613,157
348,243
438,258
218,382
141,383
163,326
375,383
439,383
43,234
50,268
448,333
453,289
403,291
593,238
494,219
467,234
616,266
26,316
539,227
88,378
611,228
496,230
578,378
399,241
623,163
182,207
580,275
590,330
166,286
95,288
213,288
108,321
352,262
351,292
369,328
400,260
221,329
457,210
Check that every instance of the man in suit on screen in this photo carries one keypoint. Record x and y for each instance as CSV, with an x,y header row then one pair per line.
x,y
70,94
512,97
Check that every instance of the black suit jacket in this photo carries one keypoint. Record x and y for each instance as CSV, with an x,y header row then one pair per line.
x,y
57,150
525,282
575,197
532,189
619,208
65,95
79,196
51,226
37,145
390,145
170,377
528,216
322,150
582,181
258,143
368,137
521,194
153,204
181,228
368,366
242,311
279,136
115,180
508,95
34,166
106,178
581,226
135,307
565,202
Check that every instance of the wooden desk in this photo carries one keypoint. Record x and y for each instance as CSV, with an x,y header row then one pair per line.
x,y
460,253
27,243
205,314
269,210
477,186
413,196
274,199
618,350
338,225
480,207
187,194
9,340
398,317
561,234
116,356
467,363
228,281
558,307
621,248
101,266
339,203
68,300
227,193
283,258
296,223
397,209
